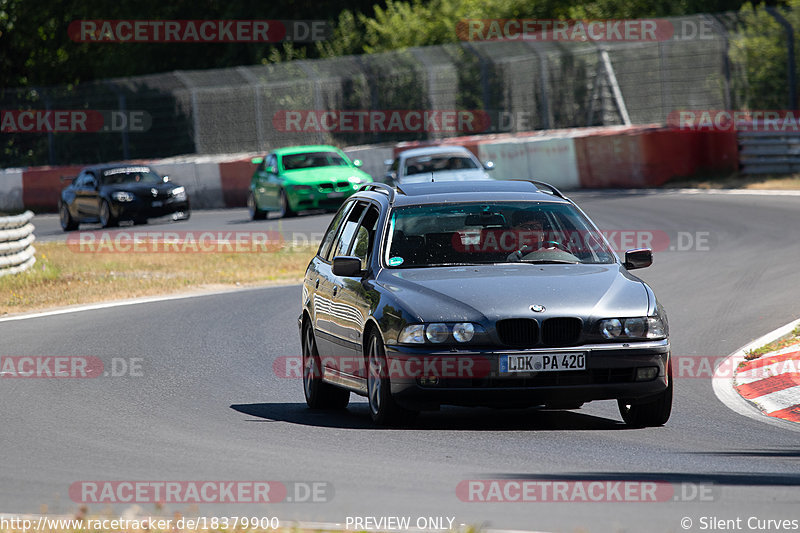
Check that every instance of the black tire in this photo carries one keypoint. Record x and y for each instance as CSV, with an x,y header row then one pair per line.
x,y
319,395
65,218
652,411
285,210
252,208
107,220
382,407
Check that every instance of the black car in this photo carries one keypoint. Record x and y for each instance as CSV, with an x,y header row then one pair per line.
x,y
110,193
495,293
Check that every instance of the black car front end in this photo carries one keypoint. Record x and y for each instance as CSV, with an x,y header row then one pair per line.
x,y
140,203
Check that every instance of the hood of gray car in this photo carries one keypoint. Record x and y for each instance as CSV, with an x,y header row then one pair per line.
x,y
472,293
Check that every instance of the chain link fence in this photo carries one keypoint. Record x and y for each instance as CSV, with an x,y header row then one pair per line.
x,y
520,85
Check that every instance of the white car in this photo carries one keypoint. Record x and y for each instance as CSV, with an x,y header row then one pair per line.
x,y
436,163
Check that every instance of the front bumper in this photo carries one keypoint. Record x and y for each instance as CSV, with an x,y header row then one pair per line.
x,y
611,373
142,209
314,198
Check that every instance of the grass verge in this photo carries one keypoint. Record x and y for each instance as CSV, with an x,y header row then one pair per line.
x,y
739,181
63,277
785,342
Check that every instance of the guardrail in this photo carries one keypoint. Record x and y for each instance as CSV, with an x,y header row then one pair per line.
x,y
16,243
769,152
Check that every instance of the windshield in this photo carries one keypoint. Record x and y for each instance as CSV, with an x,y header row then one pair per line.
x,y
313,160
437,163
487,233
118,176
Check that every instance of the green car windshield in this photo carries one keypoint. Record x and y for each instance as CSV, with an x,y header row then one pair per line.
x,y
313,160
490,233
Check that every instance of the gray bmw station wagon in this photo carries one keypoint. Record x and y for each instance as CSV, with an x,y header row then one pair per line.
x,y
484,293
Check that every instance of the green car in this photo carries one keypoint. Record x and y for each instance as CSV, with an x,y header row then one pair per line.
x,y
297,178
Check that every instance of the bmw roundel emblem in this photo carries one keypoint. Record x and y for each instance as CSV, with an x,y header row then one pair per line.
x,y
154,192
537,308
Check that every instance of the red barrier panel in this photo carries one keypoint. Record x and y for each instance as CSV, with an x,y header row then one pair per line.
x,y
651,157
235,178
41,186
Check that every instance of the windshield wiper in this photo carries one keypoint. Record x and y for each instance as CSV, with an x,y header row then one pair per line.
x,y
549,262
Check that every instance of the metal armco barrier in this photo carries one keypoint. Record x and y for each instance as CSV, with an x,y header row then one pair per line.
x,y
769,152
16,243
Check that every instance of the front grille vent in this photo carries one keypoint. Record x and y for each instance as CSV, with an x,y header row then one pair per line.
x,y
561,331
518,332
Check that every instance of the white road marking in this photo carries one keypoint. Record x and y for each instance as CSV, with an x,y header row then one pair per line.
x,y
135,301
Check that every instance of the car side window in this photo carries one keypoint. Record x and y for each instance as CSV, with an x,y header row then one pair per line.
x,y
345,238
362,244
327,240
395,164
80,181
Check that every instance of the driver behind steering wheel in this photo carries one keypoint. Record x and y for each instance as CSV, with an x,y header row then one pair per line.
x,y
531,225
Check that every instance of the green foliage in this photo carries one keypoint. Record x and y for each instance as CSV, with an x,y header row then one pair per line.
x,y
402,24
760,50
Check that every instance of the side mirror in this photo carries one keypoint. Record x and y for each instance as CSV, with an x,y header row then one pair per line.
x,y
639,258
165,179
358,163
388,162
257,160
346,266
272,170
489,165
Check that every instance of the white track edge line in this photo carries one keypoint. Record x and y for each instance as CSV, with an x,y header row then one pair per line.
x,y
723,384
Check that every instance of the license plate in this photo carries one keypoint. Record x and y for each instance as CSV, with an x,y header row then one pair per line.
x,y
158,203
335,195
542,362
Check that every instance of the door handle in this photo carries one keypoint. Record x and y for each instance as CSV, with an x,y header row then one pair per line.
x,y
335,290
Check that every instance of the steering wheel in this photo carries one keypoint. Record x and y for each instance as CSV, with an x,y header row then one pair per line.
x,y
555,244
525,250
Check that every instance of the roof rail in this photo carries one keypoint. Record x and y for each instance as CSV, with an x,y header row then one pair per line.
x,y
380,187
542,185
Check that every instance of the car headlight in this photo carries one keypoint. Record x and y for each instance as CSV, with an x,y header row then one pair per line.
x,y
179,193
122,196
414,334
356,180
649,327
463,332
438,332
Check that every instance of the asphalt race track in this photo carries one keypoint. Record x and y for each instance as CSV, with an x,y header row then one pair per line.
x,y
208,406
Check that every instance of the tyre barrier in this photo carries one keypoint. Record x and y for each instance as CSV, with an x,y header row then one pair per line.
x,y
16,243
